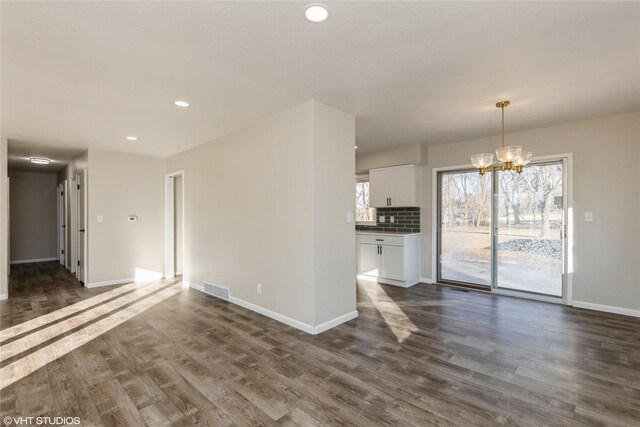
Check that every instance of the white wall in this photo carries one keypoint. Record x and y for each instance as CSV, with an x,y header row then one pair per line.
x,y
606,181
417,154
33,216
253,212
4,220
335,253
120,185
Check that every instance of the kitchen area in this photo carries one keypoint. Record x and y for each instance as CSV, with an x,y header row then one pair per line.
x,y
388,225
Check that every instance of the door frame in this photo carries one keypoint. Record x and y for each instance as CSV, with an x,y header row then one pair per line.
x,y
66,224
169,226
568,242
73,223
81,181
438,232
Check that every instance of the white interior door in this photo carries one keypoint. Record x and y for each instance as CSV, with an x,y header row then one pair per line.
x,y
73,225
174,224
60,205
178,224
65,219
81,272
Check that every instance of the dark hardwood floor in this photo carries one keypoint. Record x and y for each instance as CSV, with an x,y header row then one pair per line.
x,y
163,355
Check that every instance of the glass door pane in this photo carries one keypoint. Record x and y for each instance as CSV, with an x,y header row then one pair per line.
x,y
465,227
529,225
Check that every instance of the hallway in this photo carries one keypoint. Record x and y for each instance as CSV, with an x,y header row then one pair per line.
x,y
40,288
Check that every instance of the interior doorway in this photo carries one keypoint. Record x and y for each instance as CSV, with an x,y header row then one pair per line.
x,y
506,232
174,224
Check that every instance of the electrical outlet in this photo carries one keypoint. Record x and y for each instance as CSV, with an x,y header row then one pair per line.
x,y
588,216
381,218
391,219
100,218
259,289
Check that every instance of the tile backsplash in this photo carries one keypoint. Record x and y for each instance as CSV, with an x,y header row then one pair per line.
x,y
405,220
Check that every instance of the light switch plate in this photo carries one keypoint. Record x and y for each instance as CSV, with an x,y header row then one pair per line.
x,y
391,219
100,218
381,218
349,216
588,216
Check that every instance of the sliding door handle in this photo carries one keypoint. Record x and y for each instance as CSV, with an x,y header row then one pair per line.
x,y
81,230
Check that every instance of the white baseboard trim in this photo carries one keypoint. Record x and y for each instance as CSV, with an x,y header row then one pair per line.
x,y
607,308
273,315
335,322
392,282
196,287
29,261
426,280
286,319
4,296
109,283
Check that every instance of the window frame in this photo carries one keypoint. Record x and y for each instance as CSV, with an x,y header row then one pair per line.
x,y
360,179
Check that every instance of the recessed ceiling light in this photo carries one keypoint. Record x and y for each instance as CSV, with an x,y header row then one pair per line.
x,y
39,160
132,138
316,13
183,104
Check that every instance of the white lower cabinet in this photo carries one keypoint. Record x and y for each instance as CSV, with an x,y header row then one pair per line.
x,y
390,259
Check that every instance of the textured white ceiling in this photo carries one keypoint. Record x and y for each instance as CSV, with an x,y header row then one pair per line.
x,y
86,74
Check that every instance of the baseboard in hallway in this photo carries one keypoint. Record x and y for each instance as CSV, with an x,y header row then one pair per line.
x,y
29,261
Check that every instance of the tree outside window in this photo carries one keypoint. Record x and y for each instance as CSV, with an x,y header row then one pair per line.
x,y
364,213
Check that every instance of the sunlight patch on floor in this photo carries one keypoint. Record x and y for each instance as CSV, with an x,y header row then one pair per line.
x,y
25,343
398,322
27,326
36,360
143,274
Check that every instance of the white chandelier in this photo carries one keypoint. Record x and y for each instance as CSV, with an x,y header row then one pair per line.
x,y
510,157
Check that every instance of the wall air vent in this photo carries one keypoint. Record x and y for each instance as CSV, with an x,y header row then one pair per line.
x,y
216,291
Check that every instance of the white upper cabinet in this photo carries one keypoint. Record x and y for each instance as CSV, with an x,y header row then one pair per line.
x,y
394,186
379,187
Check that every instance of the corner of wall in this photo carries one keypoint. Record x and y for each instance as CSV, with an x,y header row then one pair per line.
x,y
4,219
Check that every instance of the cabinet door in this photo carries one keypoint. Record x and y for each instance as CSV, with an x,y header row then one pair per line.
x,y
368,259
392,262
403,186
378,187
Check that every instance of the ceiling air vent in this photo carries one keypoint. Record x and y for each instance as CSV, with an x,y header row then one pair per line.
x,y
216,291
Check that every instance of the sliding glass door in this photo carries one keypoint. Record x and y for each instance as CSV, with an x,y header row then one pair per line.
x,y
530,229
465,228
503,231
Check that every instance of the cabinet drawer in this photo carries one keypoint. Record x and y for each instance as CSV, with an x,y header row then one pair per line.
x,y
381,239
